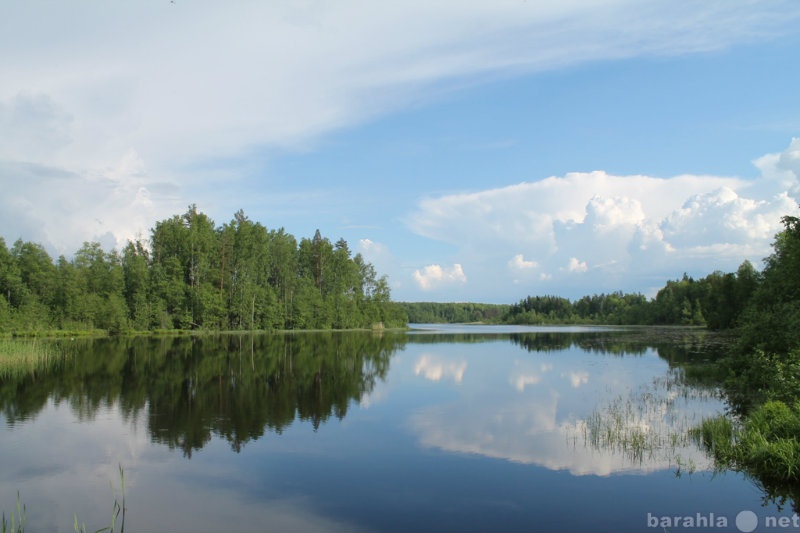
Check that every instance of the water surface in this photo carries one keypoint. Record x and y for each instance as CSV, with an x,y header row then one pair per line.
x,y
444,428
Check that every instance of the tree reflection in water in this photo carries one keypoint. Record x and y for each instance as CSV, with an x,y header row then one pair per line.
x,y
190,388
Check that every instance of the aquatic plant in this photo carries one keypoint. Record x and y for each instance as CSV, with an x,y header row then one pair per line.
x,y
26,356
646,424
117,510
18,519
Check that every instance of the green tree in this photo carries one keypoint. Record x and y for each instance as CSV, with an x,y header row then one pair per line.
x,y
100,283
250,298
185,251
772,321
136,277
282,275
168,275
345,298
38,279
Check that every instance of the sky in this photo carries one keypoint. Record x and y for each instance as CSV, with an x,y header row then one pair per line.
x,y
471,150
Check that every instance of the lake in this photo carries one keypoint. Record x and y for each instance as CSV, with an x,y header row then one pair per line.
x,y
442,428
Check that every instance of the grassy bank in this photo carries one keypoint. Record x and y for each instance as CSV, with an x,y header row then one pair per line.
x,y
765,444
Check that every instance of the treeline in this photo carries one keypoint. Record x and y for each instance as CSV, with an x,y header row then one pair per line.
x,y
453,313
716,301
195,275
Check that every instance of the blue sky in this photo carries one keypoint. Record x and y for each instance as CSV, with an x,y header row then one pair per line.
x,y
473,151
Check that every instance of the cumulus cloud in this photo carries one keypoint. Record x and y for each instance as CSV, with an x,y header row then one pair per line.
x,y
530,212
780,172
723,217
519,263
434,276
576,265
523,270
619,232
370,247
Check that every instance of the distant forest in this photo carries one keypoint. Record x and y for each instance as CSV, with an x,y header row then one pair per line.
x,y
715,301
454,313
195,275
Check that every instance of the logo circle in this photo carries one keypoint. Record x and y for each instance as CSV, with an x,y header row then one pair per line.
x,y
746,521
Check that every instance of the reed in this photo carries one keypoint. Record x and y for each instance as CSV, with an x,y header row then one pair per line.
x,y
645,424
18,519
20,357
117,511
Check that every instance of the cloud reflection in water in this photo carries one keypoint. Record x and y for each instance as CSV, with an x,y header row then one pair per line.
x,y
549,410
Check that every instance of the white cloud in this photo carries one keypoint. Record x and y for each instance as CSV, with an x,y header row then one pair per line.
x,y
575,265
523,270
519,263
368,246
722,217
434,276
609,214
780,172
199,78
620,232
531,212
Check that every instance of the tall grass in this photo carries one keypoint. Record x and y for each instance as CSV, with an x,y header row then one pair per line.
x,y
717,436
20,357
18,519
766,444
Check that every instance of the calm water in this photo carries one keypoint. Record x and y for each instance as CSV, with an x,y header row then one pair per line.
x,y
440,429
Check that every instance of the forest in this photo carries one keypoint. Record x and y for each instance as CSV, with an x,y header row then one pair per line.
x,y
453,313
195,275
